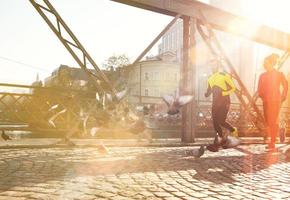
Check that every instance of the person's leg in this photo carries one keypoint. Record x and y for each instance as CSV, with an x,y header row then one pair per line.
x,y
223,116
216,120
267,120
273,114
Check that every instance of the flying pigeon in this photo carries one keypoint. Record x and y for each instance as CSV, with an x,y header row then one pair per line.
x,y
108,101
174,103
4,136
94,131
51,119
197,153
119,95
53,107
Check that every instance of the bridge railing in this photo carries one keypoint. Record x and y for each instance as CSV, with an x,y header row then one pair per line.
x,y
30,105
30,110
236,116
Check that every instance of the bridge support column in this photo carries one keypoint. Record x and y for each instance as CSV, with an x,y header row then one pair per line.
x,y
188,80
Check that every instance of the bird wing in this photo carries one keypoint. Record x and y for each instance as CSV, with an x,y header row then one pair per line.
x,y
53,107
104,101
122,94
85,124
182,100
94,131
52,118
168,99
109,97
98,97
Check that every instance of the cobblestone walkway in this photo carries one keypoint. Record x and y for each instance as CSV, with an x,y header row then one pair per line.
x,y
249,172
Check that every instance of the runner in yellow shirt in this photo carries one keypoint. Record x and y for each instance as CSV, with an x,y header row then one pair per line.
x,y
221,86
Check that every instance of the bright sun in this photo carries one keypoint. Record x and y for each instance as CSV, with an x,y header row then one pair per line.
x,y
274,13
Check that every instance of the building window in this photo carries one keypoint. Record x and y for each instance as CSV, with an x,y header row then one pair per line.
x,y
175,76
146,76
156,76
146,92
167,76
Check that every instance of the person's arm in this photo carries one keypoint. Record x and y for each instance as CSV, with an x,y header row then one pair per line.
x,y
230,84
260,87
208,91
285,87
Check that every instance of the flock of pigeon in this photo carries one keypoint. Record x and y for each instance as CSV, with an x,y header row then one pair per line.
x,y
136,120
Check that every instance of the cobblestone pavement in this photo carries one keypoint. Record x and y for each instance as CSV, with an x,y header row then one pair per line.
x,y
249,172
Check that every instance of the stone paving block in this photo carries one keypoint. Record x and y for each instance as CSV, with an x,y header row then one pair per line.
x,y
170,189
119,198
198,195
190,198
172,198
179,194
210,198
163,194
106,194
146,194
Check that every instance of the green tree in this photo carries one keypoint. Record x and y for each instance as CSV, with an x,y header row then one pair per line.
x,y
116,61
114,69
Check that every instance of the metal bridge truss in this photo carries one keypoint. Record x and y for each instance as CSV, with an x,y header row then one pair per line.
x,y
72,44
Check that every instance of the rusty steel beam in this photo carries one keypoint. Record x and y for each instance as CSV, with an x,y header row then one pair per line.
x,y
218,19
72,44
188,80
186,119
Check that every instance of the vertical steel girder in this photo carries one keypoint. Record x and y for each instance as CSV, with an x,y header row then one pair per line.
x,y
187,80
72,44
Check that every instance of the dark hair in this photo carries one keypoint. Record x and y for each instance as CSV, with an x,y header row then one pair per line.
x,y
272,58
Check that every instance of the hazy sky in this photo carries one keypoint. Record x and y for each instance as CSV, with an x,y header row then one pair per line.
x,y
104,28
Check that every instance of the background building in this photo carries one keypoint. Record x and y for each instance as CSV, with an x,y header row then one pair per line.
x,y
149,80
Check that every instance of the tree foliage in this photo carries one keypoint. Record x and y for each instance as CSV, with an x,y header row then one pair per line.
x,y
116,61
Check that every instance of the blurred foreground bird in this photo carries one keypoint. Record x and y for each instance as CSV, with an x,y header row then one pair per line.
x,y
109,102
4,136
174,103
52,118
197,153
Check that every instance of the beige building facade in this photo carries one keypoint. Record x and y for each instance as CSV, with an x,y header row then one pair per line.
x,y
149,80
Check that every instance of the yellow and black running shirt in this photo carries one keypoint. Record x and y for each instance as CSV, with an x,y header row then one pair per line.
x,y
221,85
